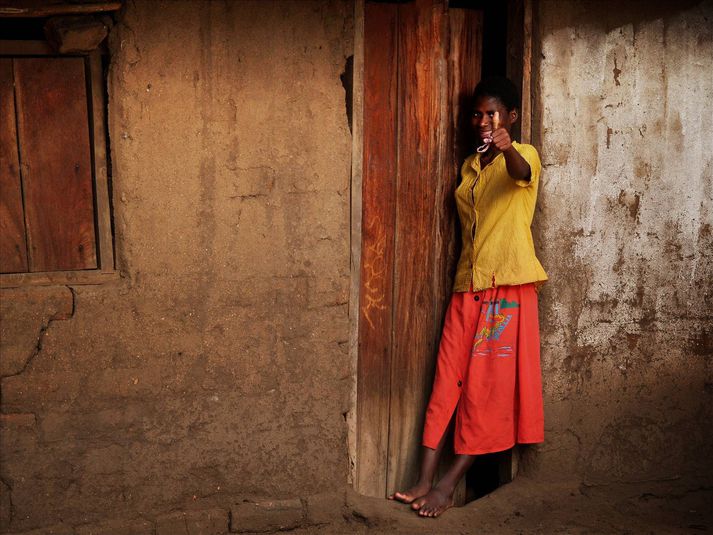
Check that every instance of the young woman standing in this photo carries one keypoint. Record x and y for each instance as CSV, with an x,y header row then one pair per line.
x,y
488,368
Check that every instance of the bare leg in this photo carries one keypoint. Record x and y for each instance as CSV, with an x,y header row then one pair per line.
x,y
429,463
440,498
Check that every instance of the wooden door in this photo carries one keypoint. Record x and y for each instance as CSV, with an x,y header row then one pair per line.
x,y
421,60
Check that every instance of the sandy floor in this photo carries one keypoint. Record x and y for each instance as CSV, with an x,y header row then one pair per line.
x,y
527,506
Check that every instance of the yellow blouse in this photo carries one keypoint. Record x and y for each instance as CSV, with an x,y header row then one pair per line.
x,y
495,216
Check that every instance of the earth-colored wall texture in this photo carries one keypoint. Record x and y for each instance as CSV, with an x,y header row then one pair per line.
x,y
218,365
624,114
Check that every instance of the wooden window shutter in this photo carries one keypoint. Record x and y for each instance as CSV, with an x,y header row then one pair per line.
x,y
53,143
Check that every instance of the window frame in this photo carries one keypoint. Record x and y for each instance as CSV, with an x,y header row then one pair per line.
x,y
106,270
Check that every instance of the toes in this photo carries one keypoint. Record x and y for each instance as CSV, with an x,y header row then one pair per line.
x,y
430,510
441,510
403,497
417,504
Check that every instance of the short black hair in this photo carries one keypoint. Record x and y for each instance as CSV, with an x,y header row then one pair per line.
x,y
500,88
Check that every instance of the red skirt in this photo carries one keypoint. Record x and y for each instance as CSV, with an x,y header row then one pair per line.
x,y
489,369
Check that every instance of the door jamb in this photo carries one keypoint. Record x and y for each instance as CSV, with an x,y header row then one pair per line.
x,y
355,232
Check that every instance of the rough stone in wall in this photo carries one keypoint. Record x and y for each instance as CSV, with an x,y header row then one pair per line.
x,y
624,229
217,367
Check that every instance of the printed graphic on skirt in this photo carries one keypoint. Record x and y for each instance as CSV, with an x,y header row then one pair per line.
x,y
495,317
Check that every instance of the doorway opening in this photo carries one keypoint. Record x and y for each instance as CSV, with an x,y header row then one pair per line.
x,y
421,61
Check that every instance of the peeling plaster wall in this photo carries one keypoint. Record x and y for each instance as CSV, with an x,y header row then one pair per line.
x,y
218,366
625,118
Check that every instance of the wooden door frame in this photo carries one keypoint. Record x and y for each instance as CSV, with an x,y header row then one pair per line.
x,y
519,69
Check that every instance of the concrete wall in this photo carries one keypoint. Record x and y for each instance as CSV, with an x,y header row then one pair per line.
x,y
218,366
625,115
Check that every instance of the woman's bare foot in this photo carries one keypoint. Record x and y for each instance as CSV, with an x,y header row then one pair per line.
x,y
417,491
434,503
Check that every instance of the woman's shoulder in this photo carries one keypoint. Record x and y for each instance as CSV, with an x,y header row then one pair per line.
x,y
524,148
528,152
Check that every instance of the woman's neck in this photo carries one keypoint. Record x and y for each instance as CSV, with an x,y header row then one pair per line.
x,y
488,156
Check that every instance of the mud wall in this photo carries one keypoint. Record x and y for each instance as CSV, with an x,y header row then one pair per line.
x,y
217,367
623,119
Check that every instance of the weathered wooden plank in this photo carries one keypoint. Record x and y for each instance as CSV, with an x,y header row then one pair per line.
x,y
53,278
526,108
43,8
514,50
377,255
25,48
53,130
98,140
355,230
439,56
421,62
13,241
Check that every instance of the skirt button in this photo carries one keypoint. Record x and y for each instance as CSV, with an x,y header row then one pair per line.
x,y
476,298
460,383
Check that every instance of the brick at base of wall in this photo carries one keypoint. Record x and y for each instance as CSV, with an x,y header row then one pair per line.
x,y
246,516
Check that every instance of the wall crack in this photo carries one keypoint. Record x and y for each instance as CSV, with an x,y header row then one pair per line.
x,y
57,316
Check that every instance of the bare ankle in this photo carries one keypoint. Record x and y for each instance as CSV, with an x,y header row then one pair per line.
x,y
446,488
424,483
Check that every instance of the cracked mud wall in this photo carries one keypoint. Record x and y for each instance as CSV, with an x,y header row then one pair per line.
x,y
624,114
218,365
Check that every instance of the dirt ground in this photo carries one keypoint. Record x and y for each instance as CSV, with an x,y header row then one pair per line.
x,y
529,506
525,506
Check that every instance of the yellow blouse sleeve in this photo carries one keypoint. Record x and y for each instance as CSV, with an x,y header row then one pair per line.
x,y
533,159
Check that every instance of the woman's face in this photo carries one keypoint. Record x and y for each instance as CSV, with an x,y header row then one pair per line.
x,y
484,112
